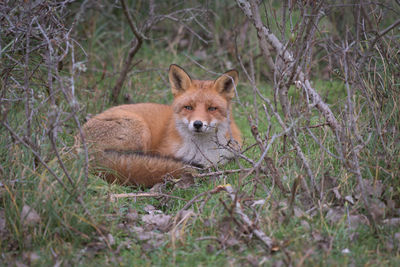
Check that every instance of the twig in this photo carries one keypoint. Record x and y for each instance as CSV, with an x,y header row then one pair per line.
x,y
212,191
266,240
17,137
372,44
269,162
208,238
392,221
250,9
221,172
354,154
265,34
135,46
114,197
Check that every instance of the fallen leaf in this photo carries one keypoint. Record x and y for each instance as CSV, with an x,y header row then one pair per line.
x,y
324,242
337,194
392,221
210,248
275,248
397,236
373,188
132,216
334,214
30,257
179,223
346,251
278,263
305,225
227,236
110,239
149,208
349,199
2,222
231,241
151,239
298,213
20,264
95,247
144,235
377,208
186,181
253,260
29,217
354,221
157,188
317,236
330,182
159,221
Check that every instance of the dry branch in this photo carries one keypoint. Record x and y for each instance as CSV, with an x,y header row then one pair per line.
x,y
36,154
372,44
114,197
210,192
250,9
216,173
269,161
135,46
266,240
140,36
355,164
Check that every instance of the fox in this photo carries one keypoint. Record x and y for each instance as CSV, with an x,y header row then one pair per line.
x,y
140,144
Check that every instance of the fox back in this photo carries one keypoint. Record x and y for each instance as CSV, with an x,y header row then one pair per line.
x,y
140,144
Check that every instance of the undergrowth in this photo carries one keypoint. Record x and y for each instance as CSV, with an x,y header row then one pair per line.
x,y
79,223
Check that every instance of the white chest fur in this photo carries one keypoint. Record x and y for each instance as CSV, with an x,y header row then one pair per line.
x,y
205,149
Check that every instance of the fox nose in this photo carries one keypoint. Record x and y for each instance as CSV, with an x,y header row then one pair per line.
x,y
197,124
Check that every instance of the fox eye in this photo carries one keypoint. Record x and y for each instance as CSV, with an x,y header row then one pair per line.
x,y
212,108
188,107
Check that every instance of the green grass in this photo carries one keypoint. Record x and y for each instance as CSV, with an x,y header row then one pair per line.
x,y
66,229
69,233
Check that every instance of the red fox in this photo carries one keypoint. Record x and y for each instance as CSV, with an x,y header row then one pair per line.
x,y
139,144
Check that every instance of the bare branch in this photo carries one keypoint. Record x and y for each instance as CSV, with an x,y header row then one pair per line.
x,y
266,240
135,46
249,8
114,197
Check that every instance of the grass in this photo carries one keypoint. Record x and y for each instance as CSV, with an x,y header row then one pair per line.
x,y
66,230
100,233
64,227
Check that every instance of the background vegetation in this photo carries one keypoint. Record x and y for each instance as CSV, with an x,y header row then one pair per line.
x,y
317,182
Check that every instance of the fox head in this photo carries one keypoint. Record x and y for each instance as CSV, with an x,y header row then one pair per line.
x,y
202,107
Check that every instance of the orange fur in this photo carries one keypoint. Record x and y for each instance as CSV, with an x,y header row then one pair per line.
x,y
140,143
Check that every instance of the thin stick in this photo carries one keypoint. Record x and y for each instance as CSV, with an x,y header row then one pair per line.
x,y
266,240
265,35
212,191
221,172
135,46
16,136
114,197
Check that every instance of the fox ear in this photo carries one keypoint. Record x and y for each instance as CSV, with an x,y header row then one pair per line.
x,y
180,81
226,83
